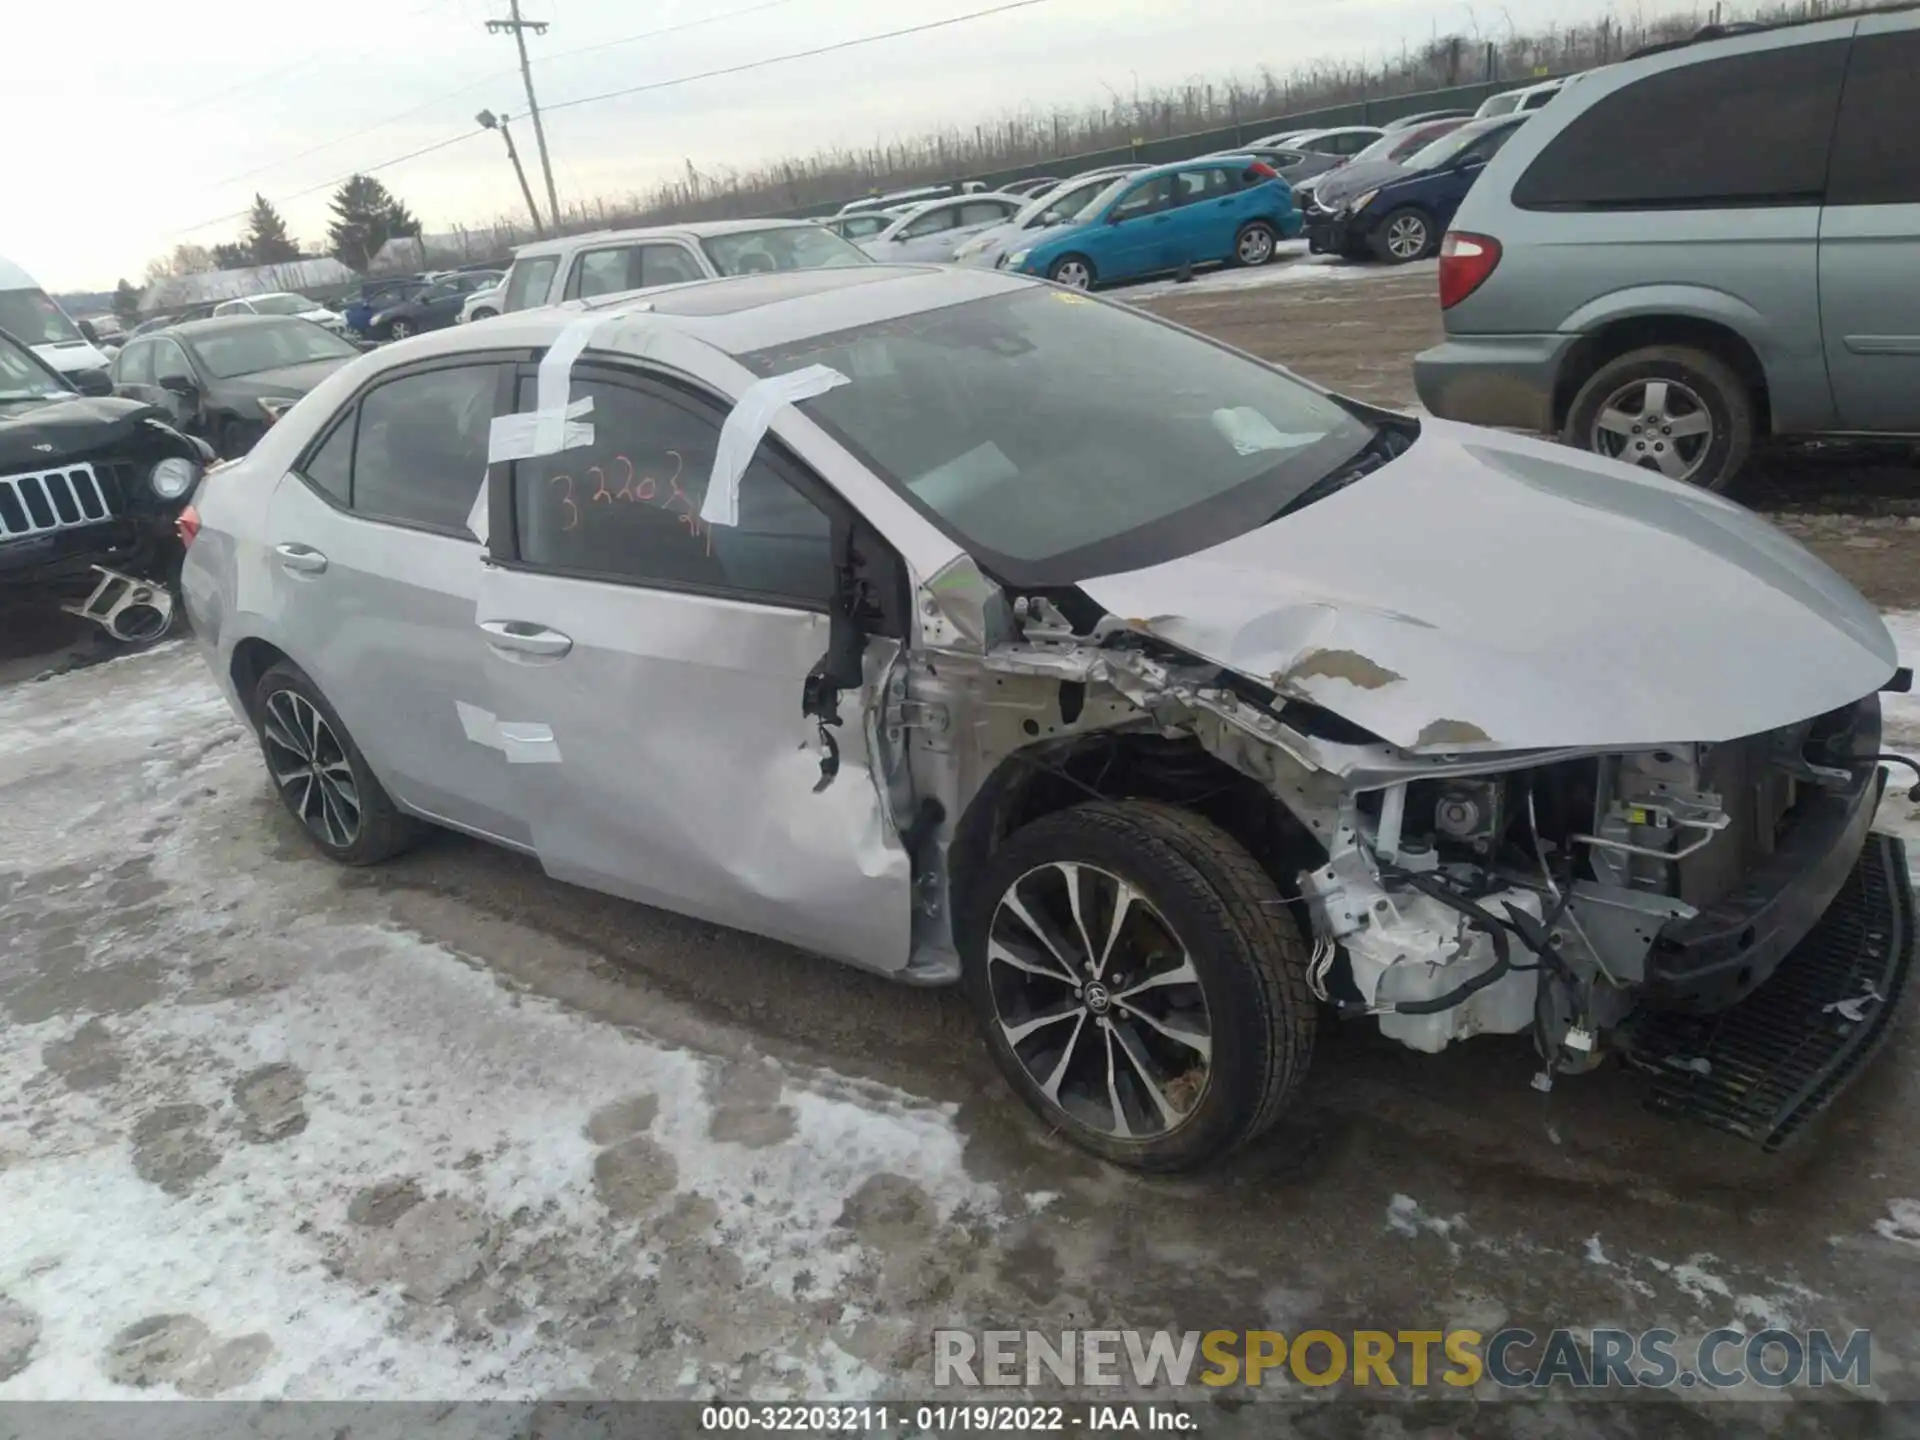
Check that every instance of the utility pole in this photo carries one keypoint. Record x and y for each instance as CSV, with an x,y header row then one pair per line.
x,y
519,28
490,121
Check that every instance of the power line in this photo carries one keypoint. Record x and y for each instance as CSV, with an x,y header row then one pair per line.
x,y
799,54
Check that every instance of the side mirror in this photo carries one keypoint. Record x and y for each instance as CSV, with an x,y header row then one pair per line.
x,y
179,385
92,382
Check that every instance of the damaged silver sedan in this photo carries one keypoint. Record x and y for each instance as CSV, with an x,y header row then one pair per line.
x,y
971,630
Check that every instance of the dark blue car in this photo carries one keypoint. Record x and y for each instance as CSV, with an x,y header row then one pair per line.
x,y
1400,214
1220,208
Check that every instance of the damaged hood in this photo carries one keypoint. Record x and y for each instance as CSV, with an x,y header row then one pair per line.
x,y
1487,592
33,437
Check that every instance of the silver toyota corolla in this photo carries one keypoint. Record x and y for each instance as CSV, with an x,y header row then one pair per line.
x,y
968,629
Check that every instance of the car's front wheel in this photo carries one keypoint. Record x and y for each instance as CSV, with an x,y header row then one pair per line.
x,y
1254,244
483,313
1406,234
1669,408
1072,271
1139,982
320,774
400,329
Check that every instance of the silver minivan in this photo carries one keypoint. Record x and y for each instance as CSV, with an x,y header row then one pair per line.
x,y
1697,247
968,629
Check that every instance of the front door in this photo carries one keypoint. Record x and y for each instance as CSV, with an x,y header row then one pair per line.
x,y
647,673
1870,236
377,576
1136,240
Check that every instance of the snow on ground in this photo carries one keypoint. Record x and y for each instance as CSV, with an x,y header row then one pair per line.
x,y
253,1147
1291,266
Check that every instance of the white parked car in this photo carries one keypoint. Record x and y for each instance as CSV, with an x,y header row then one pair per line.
x,y
606,262
933,231
1056,205
481,304
281,302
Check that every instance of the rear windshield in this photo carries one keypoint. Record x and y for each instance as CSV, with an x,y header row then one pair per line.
x,y
787,247
32,319
1059,437
268,347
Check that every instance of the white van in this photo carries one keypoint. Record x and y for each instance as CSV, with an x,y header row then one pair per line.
x,y
30,315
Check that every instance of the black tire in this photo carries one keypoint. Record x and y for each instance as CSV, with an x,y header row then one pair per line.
x,y
1246,240
381,830
1205,893
1413,223
1061,272
1702,379
482,313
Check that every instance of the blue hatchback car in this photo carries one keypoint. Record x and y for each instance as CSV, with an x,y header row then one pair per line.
x,y
1229,209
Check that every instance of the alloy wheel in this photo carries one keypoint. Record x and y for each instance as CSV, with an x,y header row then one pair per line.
x,y
1256,247
1659,424
1099,1001
1407,238
309,764
1074,274
401,330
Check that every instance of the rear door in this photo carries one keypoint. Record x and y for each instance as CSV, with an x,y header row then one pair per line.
x,y
646,672
1870,234
1210,204
376,575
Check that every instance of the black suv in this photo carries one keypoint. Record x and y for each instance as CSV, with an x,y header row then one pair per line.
x,y
91,492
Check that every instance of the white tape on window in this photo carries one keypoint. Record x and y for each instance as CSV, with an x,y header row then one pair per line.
x,y
747,425
556,422
478,516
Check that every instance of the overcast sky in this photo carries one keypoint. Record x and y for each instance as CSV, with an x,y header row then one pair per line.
x,y
146,121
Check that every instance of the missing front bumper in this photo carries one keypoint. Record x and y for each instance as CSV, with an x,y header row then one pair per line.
x,y
1762,1069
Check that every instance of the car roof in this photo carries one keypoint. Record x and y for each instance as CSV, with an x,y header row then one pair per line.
x,y
226,324
736,315
692,230
912,212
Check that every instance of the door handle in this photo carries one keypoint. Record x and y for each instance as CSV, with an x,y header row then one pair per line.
x,y
525,638
301,559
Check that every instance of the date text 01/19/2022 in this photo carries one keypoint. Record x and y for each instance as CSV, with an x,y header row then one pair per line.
x,y
991,1419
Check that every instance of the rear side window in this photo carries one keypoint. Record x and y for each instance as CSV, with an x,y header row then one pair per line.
x,y
931,223
628,509
1742,130
421,450
1192,186
1876,158
530,282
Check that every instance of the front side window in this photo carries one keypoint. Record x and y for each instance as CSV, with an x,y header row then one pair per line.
x,y
134,365
1144,199
1876,160
628,508
23,377
667,265
421,451
789,247
529,282
864,227
1747,129
33,319
932,223
247,349
1059,437
170,363
984,212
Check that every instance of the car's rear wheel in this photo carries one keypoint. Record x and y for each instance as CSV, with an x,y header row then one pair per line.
x,y
1073,271
1139,983
1254,244
1668,408
1406,234
320,774
400,329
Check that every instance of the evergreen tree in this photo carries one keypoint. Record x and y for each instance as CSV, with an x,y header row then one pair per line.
x,y
126,303
267,239
231,255
366,217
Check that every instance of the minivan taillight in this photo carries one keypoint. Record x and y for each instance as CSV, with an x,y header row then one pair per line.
x,y
1465,263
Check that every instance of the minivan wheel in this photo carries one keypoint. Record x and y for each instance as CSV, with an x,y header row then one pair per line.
x,y
1406,234
1073,272
320,774
1139,982
1669,408
1254,244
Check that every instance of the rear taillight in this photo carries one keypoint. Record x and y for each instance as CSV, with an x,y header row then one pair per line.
x,y
1260,170
187,525
1465,263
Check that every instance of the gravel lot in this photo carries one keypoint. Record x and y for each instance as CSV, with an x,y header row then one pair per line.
x,y
449,1129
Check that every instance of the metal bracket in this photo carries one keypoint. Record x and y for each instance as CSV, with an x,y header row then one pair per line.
x,y
917,715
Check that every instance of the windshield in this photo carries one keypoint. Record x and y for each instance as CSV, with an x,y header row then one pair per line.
x,y
1060,437
32,319
23,377
789,247
1066,203
250,349
1445,148
281,304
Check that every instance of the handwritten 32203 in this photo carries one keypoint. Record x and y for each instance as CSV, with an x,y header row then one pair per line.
x,y
632,487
